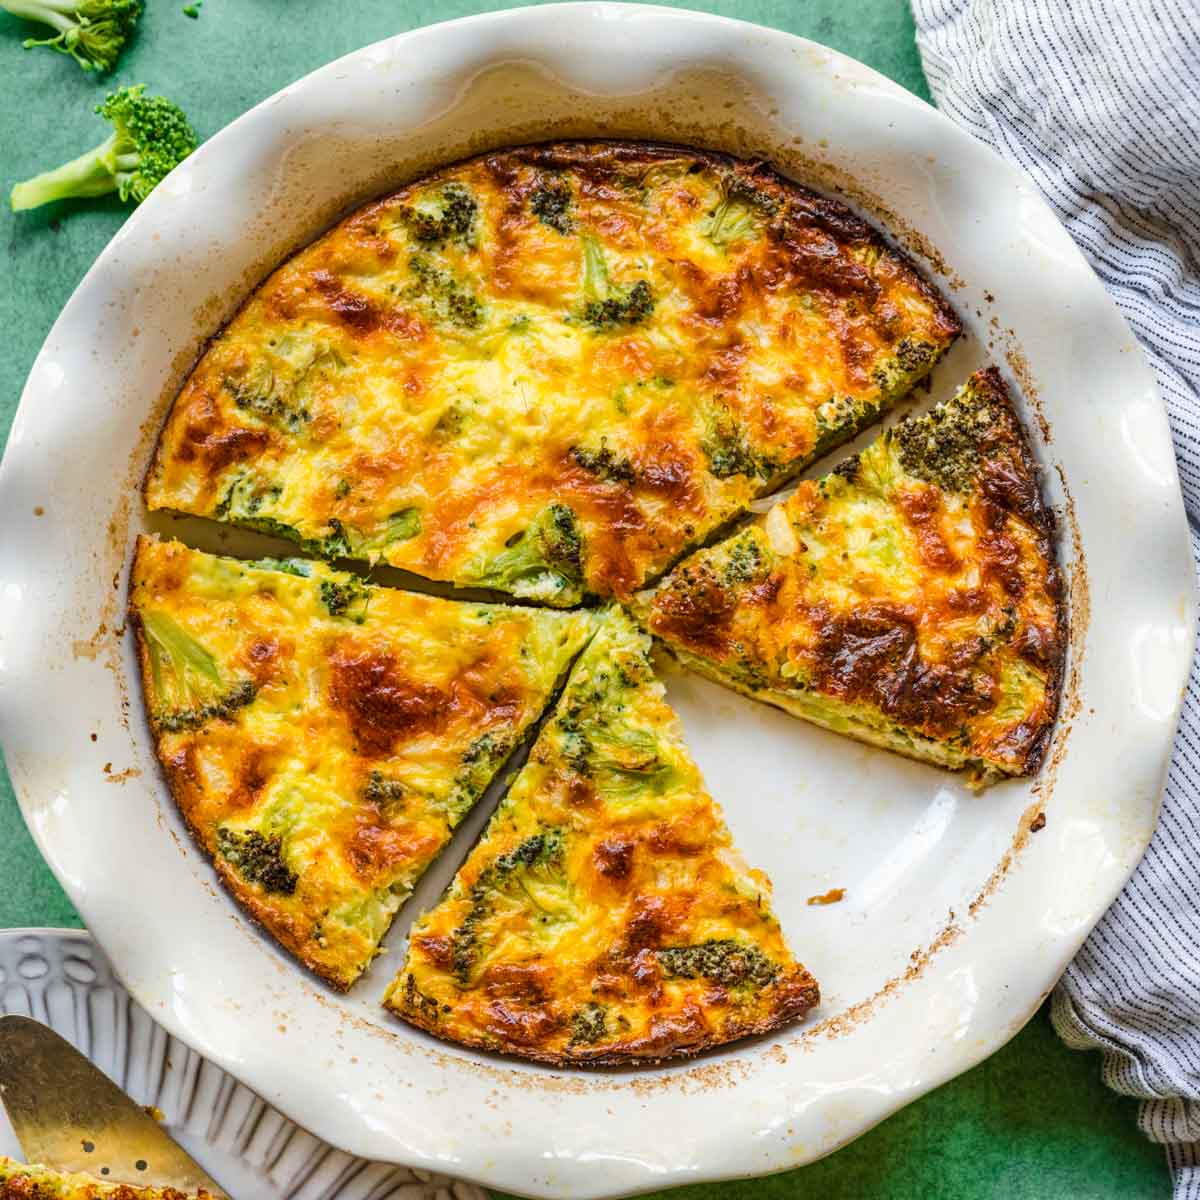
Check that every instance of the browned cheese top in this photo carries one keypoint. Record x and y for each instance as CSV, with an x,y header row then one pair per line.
x,y
910,598
549,370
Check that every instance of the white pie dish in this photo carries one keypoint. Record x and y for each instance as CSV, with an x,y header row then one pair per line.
x,y
956,922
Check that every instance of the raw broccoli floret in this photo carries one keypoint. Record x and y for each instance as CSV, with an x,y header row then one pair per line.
x,y
150,137
92,32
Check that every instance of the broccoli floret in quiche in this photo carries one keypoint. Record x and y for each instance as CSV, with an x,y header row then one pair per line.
x,y
542,561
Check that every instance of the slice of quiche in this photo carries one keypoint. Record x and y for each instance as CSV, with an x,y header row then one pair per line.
x,y
323,737
549,370
605,917
909,599
19,1181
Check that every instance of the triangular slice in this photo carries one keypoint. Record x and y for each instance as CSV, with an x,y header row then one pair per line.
x,y
605,917
323,737
21,1181
910,599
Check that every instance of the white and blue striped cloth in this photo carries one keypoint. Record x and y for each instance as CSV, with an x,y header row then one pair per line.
x,y
1099,100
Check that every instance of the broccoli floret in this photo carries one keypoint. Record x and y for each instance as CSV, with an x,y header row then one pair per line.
x,y
543,559
729,451
736,216
605,464
628,308
453,219
150,137
188,689
942,447
446,298
607,306
384,791
239,696
731,221
479,764
92,32
721,960
550,204
540,854
345,598
257,859
275,386
242,504
589,1024
910,359
745,562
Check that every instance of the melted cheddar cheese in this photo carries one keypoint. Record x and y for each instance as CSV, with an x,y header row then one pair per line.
x,y
19,1181
549,371
909,599
323,737
605,916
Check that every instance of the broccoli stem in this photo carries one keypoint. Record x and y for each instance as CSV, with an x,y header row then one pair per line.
x,y
91,174
46,12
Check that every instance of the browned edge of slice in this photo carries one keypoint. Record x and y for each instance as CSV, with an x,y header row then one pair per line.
x,y
802,995
1019,492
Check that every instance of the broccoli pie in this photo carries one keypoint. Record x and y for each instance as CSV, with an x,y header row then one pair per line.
x,y
549,371
560,376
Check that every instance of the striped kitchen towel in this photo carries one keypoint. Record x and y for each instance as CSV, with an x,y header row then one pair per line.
x,y
1099,101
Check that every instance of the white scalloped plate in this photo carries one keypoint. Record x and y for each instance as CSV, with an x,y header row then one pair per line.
x,y
955,923
61,978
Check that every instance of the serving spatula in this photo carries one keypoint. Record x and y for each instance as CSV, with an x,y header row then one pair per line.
x,y
69,1115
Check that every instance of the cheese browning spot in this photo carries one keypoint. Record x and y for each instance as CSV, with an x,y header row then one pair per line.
x,y
381,702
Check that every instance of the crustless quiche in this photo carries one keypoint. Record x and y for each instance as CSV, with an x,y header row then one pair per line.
x,y
549,370
605,917
553,372
19,1181
909,599
324,737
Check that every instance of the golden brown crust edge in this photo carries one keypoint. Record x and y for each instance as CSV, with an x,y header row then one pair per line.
x,y
184,793
804,995
1034,510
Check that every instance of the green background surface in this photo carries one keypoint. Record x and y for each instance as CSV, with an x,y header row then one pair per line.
x,y
1032,1123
